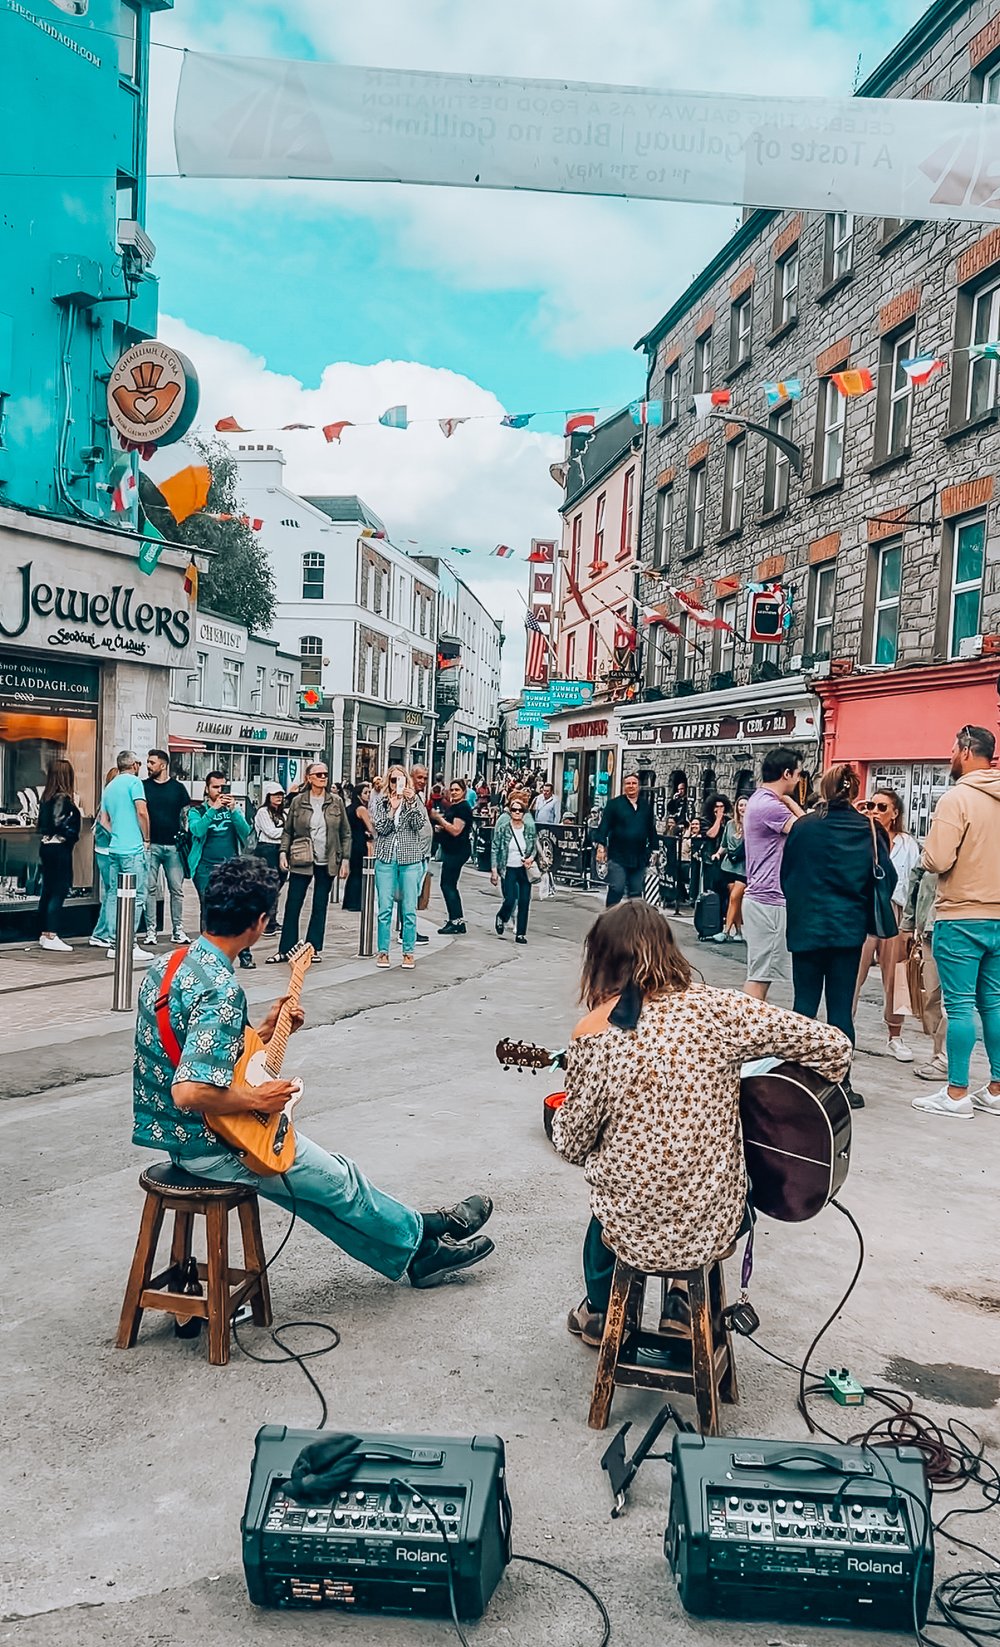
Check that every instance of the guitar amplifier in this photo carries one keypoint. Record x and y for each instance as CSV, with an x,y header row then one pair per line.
x,y
776,1530
373,1547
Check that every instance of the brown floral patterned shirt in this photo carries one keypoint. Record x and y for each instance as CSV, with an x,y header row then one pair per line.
x,y
653,1116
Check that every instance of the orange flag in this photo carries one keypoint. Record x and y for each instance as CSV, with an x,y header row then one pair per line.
x,y
186,493
854,382
229,426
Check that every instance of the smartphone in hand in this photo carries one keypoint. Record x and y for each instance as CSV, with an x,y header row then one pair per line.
x,y
400,785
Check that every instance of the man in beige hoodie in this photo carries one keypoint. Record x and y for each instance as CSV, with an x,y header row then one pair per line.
x,y
963,850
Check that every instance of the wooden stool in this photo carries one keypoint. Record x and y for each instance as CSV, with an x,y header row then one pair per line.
x,y
170,1189
712,1374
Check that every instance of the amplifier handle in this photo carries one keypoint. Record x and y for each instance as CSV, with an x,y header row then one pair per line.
x,y
406,1455
799,1455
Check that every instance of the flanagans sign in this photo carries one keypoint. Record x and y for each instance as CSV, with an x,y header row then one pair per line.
x,y
73,606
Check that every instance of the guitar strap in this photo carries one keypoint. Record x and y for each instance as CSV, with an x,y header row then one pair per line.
x,y
165,1028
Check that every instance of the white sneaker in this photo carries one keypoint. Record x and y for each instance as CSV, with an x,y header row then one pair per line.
x,y
137,954
899,1050
180,936
98,943
55,943
940,1104
986,1100
933,1070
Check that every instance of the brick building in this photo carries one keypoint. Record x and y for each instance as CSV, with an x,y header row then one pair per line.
x,y
887,545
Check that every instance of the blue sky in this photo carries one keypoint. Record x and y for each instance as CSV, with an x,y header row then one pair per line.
x,y
531,301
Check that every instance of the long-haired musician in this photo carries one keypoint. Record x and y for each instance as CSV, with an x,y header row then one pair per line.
x,y
652,1102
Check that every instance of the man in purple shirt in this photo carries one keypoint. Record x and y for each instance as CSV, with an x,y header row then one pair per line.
x,y
770,813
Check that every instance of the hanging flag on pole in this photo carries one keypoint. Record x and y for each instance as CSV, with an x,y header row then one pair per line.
x,y
921,368
559,473
333,431
448,425
229,426
516,420
125,492
787,388
191,582
394,418
503,551
709,402
579,420
647,411
536,661
856,381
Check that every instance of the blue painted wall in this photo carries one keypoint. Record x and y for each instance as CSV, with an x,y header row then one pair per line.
x,y
74,96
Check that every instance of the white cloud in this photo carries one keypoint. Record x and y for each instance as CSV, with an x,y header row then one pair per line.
x,y
485,485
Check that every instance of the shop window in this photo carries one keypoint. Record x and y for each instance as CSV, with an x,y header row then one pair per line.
x,y
740,330
824,582
283,693
838,251
628,516
671,393
313,576
703,364
232,681
895,395
29,741
734,485
830,433
966,592
786,288
311,656
776,465
697,491
887,573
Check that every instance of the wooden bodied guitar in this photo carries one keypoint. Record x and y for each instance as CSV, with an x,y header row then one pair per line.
x,y
796,1131
266,1143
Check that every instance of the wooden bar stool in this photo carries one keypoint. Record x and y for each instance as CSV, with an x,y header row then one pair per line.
x,y
711,1376
170,1189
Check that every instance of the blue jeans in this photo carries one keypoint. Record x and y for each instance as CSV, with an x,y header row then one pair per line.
x,y
333,1195
123,863
168,859
103,862
402,881
968,959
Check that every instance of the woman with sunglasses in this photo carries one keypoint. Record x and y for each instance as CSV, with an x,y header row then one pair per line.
x,y
886,808
401,828
514,838
315,849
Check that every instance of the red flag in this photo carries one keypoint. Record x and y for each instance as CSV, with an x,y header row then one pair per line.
x,y
625,635
333,431
253,521
536,664
578,421
229,426
543,551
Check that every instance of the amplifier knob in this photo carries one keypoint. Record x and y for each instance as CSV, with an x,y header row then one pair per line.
x,y
734,1503
755,1526
856,1510
861,1533
803,1529
798,1506
360,1497
311,1515
412,1521
780,1505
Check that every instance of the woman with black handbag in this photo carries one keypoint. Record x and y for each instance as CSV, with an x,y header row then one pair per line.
x,y
59,823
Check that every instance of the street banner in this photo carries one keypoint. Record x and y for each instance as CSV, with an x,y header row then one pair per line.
x,y
889,157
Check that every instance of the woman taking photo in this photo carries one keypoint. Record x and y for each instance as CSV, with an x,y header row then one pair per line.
x,y
885,807
514,837
361,834
828,879
453,834
58,825
663,1151
732,861
315,846
269,826
400,824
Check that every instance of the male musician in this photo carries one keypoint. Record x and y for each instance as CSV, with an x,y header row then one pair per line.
x,y
208,1013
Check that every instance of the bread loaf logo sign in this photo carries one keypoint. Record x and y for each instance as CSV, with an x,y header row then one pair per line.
x,y
152,395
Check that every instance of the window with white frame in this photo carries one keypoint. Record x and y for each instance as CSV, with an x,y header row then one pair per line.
x,y
201,669
232,679
703,364
659,656
839,245
283,693
664,523
734,485
991,84
968,556
832,417
672,393
576,539
628,515
311,658
786,288
740,330
896,401
697,491
824,583
257,695
686,653
776,464
985,328
725,655
313,575
885,622
602,506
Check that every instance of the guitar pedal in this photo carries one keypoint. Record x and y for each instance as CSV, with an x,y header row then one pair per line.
x,y
742,1318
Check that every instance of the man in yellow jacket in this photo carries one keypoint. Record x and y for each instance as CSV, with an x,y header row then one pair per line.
x,y
963,850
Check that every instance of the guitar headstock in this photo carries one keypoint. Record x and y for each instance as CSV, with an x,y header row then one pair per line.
x,y
523,1055
301,958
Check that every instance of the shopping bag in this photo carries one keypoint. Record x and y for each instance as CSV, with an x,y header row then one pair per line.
x,y
423,902
901,990
545,887
917,970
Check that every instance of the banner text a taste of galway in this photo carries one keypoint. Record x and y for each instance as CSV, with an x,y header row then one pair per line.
x,y
898,157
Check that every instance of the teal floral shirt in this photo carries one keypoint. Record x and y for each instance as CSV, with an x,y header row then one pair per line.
x,y
208,1014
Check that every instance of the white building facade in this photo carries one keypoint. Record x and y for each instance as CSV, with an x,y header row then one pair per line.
x,y
467,700
358,613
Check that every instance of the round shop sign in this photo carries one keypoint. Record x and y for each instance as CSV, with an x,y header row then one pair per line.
x,y
152,394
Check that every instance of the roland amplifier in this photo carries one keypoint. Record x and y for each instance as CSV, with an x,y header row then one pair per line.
x,y
374,1546
822,1533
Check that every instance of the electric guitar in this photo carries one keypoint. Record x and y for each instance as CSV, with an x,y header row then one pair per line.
x,y
266,1143
796,1131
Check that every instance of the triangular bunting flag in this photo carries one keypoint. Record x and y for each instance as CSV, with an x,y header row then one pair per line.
x,y
516,420
186,493
503,551
707,403
333,431
984,351
286,426
647,411
229,426
448,425
579,420
455,550
394,418
191,582
789,388
559,473
856,381
921,368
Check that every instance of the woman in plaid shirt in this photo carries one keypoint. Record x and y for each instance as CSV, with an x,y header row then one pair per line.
x,y
402,828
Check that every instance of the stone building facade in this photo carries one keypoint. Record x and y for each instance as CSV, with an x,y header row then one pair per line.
x,y
886,547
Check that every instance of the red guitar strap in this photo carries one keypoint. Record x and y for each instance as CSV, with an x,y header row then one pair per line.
x,y
168,1039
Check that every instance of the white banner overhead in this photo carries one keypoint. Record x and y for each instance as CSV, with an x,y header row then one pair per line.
x,y
898,157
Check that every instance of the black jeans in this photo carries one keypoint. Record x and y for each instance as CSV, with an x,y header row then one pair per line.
x,y
321,882
624,883
832,970
451,869
516,894
270,852
57,878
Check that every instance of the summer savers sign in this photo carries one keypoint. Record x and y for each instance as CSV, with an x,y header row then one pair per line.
x,y
253,117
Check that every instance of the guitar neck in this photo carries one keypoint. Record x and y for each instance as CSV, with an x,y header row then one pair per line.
x,y
277,1046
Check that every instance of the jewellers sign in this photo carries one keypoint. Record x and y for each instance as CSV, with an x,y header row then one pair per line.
x,y
50,685
86,604
225,637
722,729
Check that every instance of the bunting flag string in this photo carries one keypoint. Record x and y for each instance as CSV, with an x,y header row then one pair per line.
x,y
705,404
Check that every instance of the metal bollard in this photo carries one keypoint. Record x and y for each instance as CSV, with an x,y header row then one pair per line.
x,y
124,942
366,936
